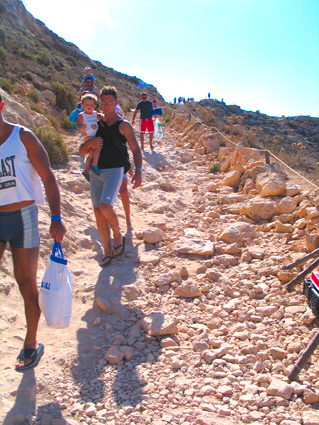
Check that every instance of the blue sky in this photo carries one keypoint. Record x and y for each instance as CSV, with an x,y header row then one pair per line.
x,y
257,54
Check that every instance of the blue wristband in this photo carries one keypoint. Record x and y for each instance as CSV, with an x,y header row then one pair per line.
x,y
56,218
139,168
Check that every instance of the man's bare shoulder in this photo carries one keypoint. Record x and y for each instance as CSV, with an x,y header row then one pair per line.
x,y
30,141
125,125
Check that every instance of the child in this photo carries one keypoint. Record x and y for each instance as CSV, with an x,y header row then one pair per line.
x,y
88,73
87,124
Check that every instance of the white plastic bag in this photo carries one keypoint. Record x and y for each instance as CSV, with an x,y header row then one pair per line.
x,y
55,295
158,132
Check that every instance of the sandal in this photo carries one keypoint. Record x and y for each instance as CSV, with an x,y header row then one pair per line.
x,y
119,246
105,261
95,169
33,354
86,175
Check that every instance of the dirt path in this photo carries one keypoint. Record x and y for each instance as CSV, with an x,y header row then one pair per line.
x,y
162,380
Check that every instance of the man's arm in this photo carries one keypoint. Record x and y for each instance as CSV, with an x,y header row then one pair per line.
x,y
127,130
92,143
40,160
79,123
135,112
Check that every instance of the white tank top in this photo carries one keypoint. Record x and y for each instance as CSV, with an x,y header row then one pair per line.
x,y
90,120
19,180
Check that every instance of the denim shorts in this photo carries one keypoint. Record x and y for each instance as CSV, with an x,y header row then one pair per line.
x,y
105,187
20,227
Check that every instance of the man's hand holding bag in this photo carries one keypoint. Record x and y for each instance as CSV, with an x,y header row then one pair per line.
x,y
55,295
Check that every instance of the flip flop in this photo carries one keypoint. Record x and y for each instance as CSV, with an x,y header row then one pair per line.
x,y
119,246
86,175
95,168
34,354
105,261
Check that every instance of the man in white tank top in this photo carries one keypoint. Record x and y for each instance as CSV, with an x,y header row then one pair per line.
x,y
23,160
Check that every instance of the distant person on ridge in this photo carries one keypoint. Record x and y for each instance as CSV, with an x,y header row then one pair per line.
x,y
145,107
113,130
86,123
24,161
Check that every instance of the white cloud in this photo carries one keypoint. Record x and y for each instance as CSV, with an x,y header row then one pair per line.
x,y
73,20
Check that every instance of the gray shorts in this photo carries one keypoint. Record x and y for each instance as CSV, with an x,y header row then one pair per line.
x,y
105,187
20,227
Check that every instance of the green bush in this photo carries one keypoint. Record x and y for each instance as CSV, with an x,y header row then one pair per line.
x,y
54,145
3,55
166,118
66,123
214,167
3,36
26,55
54,121
43,58
36,108
71,60
7,85
65,97
34,96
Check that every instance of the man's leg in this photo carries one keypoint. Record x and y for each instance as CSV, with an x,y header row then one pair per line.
x,y
104,231
111,218
142,140
151,140
126,203
25,263
2,248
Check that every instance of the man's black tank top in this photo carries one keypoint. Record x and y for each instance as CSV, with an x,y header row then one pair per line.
x,y
110,156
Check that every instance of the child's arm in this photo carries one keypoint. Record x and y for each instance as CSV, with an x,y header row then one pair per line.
x,y
100,116
79,123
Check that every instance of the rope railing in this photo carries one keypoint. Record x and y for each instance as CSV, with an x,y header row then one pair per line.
x,y
267,152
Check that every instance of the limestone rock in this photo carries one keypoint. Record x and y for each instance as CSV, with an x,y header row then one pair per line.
x,y
312,241
193,246
293,189
232,179
310,417
153,235
127,351
310,397
156,324
260,208
237,232
113,355
167,278
280,388
149,257
278,353
188,291
131,292
270,184
287,205
186,157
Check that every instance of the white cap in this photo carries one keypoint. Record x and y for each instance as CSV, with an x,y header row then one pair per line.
x,y
87,68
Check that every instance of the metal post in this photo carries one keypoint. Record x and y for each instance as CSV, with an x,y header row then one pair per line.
x,y
313,344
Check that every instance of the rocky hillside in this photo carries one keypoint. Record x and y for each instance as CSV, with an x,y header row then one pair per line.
x,y
34,61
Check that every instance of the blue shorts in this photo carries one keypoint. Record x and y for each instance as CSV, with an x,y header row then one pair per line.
x,y
20,227
105,187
